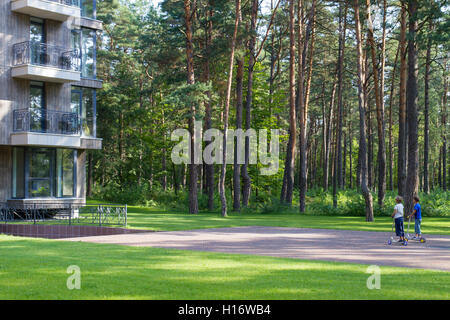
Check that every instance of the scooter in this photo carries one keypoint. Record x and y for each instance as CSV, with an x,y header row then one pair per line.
x,y
410,237
391,239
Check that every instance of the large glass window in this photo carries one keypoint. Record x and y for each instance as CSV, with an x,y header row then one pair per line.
x,y
44,172
65,173
37,38
37,106
83,42
76,46
88,8
37,30
40,172
83,102
18,184
88,53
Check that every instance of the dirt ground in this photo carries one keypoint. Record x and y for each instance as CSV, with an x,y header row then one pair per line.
x,y
312,244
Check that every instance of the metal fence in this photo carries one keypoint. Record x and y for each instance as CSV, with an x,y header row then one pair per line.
x,y
66,214
43,54
46,121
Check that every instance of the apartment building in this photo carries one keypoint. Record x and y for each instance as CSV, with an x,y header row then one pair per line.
x,y
48,88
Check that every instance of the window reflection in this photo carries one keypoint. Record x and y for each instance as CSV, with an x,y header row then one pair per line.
x,y
43,172
37,107
65,172
83,43
88,43
87,9
40,165
83,102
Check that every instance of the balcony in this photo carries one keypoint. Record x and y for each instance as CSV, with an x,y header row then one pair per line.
x,y
59,10
45,121
50,128
43,127
45,62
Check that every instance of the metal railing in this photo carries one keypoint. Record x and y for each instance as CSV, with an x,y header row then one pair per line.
x,y
46,121
43,54
73,3
66,214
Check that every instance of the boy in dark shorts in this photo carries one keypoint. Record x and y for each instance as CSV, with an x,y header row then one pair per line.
x,y
398,219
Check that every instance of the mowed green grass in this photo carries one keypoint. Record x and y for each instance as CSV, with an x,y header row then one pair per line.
x,y
161,220
37,269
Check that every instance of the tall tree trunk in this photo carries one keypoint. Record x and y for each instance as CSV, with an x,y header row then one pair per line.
x,y
301,106
426,137
237,167
329,124
391,146
350,152
440,168
370,148
290,154
401,173
337,174
184,175
175,180
411,105
342,31
226,111
324,140
193,172
209,168
362,123
444,131
314,163
344,162
164,157
379,93
303,95
248,105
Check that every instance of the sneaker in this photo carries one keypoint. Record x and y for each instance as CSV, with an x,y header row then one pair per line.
x,y
415,238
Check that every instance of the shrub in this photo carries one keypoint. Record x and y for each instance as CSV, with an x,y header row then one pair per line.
x,y
318,201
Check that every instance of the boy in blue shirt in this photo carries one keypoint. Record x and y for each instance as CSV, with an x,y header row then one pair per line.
x,y
417,213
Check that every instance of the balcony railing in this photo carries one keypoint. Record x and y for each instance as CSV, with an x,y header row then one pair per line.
x,y
42,54
73,3
46,121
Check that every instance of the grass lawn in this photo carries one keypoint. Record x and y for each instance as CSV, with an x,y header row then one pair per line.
x,y
36,269
161,220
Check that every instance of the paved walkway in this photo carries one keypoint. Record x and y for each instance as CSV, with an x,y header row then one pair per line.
x,y
314,244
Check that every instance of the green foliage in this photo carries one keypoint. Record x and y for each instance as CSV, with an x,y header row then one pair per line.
x,y
142,61
119,193
319,202
351,203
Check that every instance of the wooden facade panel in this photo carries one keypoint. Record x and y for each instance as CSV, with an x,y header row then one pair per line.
x,y
91,23
89,83
58,96
14,28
